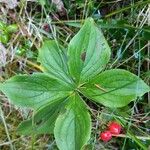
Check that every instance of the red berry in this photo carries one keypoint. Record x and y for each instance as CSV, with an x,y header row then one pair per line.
x,y
106,136
114,128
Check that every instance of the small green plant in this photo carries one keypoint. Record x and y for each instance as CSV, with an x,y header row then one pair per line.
x,y
57,95
6,31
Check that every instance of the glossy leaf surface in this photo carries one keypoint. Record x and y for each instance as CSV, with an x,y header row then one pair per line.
x,y
88,52
34,90
54,61
73,126
115,88
43,121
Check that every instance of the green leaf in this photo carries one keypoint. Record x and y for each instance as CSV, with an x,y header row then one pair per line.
x,y
115,88
12,28
73,126
109,24
43,121
88,52
34,90
4,38
2,26
42,2
53,60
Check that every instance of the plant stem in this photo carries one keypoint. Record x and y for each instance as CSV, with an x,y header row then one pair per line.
x,y
6,129
126,8
126,136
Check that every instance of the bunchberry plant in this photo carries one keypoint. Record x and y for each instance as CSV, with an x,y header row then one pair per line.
x,y
57,95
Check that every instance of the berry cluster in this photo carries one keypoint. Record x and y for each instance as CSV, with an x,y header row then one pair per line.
x,y
113,128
